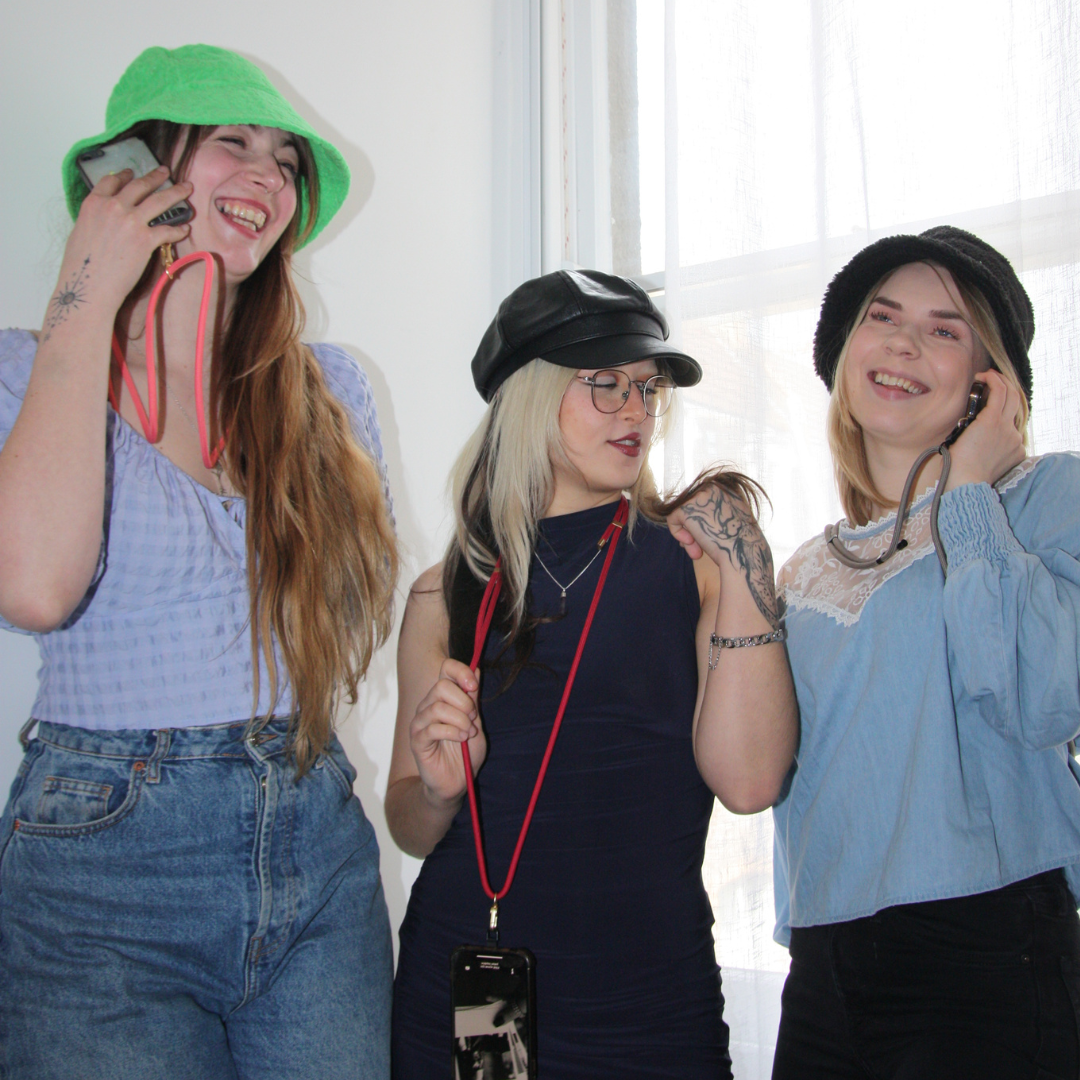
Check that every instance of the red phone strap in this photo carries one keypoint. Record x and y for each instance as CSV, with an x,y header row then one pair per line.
x,y
483,625
148,416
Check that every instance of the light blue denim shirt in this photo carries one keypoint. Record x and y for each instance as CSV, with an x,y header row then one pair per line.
x,y
162,637
935,713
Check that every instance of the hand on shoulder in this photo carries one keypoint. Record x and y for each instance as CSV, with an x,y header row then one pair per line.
x,y
717,524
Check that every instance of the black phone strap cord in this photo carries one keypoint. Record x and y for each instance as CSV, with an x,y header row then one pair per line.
x,y
832,532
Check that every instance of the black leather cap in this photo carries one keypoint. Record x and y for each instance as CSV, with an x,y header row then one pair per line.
x,y
964,255
577,319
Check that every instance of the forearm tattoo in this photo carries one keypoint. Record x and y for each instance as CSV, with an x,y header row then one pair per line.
x,y
733,529
68,298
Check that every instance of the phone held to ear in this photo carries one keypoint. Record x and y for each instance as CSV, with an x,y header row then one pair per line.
x,y
133,154
976,400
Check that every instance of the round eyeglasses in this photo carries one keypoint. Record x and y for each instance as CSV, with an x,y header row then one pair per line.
x,y
611,390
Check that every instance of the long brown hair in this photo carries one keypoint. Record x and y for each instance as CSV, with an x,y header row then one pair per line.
x,y
322,558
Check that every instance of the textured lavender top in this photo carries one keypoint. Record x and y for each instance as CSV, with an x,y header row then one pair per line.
x,y
162,637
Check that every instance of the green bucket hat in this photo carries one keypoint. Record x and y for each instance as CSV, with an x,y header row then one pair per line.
x,y
202,84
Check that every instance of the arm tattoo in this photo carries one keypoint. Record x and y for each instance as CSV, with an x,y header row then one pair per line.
x,y
69,297
733,529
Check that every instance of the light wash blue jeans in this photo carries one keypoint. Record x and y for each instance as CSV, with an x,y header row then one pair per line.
x,y
175,905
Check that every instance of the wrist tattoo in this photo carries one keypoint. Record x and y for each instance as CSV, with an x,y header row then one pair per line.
x,y
732,528
68,298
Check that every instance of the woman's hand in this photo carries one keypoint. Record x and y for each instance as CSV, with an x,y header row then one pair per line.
x,y
723,528
112,241
991,445
445,718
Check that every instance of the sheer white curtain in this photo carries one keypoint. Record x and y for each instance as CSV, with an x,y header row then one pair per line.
x,y
732,155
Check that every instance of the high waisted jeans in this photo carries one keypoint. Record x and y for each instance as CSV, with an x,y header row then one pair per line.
x,y
983,987
175,904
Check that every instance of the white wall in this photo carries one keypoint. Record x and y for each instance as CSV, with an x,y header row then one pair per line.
x,y
405,277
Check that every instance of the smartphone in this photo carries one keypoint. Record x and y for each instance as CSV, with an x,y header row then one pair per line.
x,y
493,998
976,400
133,154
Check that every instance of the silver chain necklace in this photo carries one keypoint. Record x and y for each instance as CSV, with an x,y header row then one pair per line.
x,y
562,599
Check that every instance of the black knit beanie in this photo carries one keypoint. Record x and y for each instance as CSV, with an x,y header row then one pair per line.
x,y
970,260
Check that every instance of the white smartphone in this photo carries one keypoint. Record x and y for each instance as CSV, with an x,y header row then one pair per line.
x,y
133,154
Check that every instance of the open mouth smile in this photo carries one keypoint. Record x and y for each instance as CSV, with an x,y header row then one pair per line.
x,y
897,382
243,215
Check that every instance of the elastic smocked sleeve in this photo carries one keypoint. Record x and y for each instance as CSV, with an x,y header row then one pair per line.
x,y
350,385
1012,603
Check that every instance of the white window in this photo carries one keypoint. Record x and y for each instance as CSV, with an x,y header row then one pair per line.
x,y
732,155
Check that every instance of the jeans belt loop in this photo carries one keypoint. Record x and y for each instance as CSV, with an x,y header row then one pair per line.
x,y
153,766
24,732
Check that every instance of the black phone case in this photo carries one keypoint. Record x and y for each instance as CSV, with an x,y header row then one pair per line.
x,y
976,400
493,1013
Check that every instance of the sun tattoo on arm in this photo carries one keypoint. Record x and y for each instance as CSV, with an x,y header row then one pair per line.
x,y
731,526
68,298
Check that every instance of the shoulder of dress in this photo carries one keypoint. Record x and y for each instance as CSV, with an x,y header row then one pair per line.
x,y
647,528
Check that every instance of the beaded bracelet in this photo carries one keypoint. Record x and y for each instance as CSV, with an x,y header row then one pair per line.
x,y
717,642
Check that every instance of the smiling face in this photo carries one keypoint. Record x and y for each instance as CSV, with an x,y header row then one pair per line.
x,y
244,196
911,361
604,451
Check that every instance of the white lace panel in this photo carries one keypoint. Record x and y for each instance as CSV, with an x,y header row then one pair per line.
x,y
815,578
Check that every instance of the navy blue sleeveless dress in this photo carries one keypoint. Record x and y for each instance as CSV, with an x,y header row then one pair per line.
x,y
608,894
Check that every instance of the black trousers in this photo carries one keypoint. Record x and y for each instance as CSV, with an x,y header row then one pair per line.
x,y
986,987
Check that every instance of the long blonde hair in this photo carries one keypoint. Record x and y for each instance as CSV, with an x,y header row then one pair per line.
x,y
322,558
502,485
503,482
858,493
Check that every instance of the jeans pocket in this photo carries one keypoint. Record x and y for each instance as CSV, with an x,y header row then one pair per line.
x,y
73,794
65,801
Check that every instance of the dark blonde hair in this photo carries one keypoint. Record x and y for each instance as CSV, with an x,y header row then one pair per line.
x,y
858,493
322,558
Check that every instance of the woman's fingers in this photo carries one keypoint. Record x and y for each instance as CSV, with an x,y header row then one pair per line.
x,y
991,445
676,524
461,675
157,202
110,185
139,197
449,711
113,234
447,717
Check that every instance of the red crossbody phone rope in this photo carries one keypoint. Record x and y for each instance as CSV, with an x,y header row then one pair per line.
x,y
483,625
148,416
